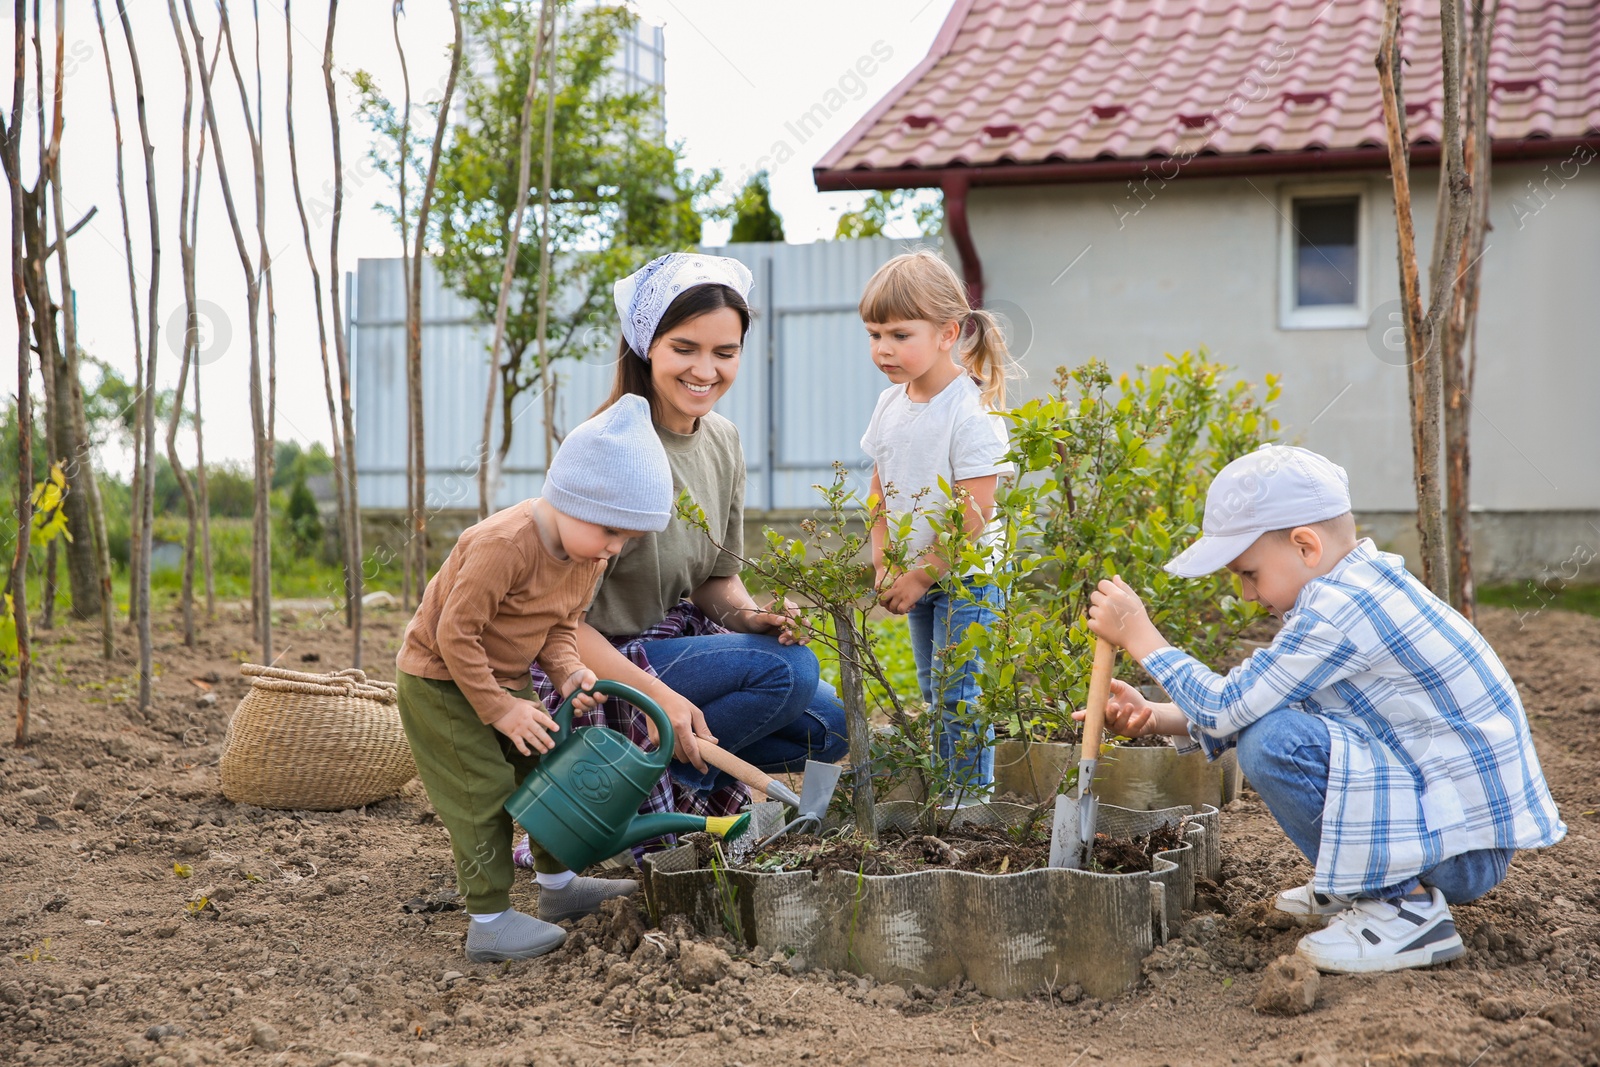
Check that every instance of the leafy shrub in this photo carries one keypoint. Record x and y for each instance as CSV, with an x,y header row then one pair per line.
x,y
303,521
1112,476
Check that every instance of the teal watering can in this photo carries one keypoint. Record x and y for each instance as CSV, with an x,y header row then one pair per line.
x,y
581,803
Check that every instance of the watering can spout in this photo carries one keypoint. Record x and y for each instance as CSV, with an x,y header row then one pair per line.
x,y
644,827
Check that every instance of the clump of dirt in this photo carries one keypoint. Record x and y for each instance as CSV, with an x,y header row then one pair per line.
x,y
978,849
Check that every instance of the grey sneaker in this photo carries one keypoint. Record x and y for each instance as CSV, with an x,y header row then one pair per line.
x,y
582,896
513,936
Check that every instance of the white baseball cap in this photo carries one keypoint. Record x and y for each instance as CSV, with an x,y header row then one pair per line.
x,y
1276,487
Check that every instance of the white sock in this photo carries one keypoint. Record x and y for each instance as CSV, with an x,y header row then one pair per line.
x,y
487,918
553,881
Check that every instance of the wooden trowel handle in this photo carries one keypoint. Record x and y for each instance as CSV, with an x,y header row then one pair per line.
x,y
1094,719
748,773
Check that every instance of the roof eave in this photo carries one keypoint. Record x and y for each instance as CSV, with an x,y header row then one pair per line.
x,y
1170,167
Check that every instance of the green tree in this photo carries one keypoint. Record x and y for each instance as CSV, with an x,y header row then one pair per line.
x,y
894,207
305,524
755,219
619,195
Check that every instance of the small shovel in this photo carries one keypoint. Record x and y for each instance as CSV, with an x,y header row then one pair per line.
x,y
815,791
1072,832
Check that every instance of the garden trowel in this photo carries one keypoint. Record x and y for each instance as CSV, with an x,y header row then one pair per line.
x,y
816,790
1072,832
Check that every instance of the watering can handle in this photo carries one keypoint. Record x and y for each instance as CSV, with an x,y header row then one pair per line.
x,y
563,715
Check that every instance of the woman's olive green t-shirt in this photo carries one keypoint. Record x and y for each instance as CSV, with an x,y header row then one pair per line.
x,y
657,570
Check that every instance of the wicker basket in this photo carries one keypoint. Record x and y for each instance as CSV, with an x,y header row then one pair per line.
x,y
321,742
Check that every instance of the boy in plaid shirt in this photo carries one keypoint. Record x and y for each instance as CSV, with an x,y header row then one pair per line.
x,y
1381,730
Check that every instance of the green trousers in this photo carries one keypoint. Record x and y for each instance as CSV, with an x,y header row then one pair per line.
x,y
470,769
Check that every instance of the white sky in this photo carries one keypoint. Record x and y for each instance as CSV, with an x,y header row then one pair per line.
x,y
737,74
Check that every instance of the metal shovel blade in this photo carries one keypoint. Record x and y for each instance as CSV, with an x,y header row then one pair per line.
x,y
816,792
817,788
1073,826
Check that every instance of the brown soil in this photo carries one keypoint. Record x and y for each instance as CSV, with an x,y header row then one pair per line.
x,y
979,849
305,952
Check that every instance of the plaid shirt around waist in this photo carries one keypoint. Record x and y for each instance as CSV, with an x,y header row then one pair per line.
x,y
1430,753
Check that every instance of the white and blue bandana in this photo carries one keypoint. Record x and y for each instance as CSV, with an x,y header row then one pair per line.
x,y
644,296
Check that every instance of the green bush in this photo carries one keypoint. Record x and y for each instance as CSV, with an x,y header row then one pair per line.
x,y
1112,477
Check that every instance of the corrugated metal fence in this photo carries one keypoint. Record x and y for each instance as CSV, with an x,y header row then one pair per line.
x,y
805,389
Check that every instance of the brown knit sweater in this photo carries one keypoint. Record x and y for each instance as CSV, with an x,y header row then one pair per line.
x,y
500,601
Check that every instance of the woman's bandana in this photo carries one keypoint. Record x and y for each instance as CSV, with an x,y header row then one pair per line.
x,y
644,296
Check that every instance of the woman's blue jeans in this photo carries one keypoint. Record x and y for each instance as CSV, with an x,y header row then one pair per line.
x,y
1285,755
764,701
939,620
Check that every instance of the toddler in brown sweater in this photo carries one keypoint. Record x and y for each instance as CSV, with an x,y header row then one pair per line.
x,y
510,593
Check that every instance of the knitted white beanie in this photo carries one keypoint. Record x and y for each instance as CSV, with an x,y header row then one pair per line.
x,y
612,471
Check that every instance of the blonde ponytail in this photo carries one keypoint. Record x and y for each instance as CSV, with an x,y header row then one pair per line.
x,y
921,285
986,358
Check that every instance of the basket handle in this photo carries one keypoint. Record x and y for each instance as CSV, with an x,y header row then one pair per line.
x,y
350,681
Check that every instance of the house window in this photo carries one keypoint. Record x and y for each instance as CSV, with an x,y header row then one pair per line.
x,y
1323,274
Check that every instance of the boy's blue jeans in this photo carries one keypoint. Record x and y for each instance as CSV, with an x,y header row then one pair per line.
x,y
764,701
939,620
1285,756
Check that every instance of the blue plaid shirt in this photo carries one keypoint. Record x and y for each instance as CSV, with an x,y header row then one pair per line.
x,y
1430,753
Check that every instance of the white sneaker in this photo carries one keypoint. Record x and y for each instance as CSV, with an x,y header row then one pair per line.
x,y
1305,903
1378,935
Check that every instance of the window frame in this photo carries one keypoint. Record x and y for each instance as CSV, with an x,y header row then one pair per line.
x,y
1326,316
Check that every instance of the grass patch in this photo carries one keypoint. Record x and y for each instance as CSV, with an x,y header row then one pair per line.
x,y
1530,597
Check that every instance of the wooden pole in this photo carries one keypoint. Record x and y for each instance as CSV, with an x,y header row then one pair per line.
x,y
353,572
852,695
10,154
486,463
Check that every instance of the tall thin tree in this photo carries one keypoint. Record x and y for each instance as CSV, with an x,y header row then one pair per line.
x,y
547,383
201,481
11,155
265,445
316,291
353,562
190,344
153,329
1460,320
262,617
82,459
68,432
488,472
1436,334
413,386
418,534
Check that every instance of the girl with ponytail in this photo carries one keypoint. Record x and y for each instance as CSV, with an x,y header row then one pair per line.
x,y
935,427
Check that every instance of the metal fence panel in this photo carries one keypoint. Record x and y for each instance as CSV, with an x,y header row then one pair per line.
x,y
805,389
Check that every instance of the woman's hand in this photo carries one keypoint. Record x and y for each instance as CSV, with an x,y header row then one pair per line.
x,y
1128,713
528,726
904,592
688,723
784,618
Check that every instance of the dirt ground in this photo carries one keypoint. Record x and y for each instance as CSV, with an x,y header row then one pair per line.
x,y
306,954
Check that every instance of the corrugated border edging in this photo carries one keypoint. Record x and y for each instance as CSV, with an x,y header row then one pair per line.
x,y
1010,935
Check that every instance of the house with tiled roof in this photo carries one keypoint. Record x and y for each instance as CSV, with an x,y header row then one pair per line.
x,y
1123,178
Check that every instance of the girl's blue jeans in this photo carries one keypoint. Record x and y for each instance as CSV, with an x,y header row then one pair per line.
x,y
938,621
764,701
1285,755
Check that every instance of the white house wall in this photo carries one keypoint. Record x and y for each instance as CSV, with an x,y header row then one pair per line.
x,y
1198,264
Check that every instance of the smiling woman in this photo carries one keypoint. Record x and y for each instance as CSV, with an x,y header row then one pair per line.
x,y
672,617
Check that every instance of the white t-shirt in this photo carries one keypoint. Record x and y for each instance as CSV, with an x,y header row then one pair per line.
x,y
914,445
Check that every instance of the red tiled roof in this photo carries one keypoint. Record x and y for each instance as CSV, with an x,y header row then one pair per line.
x,y
1051,82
